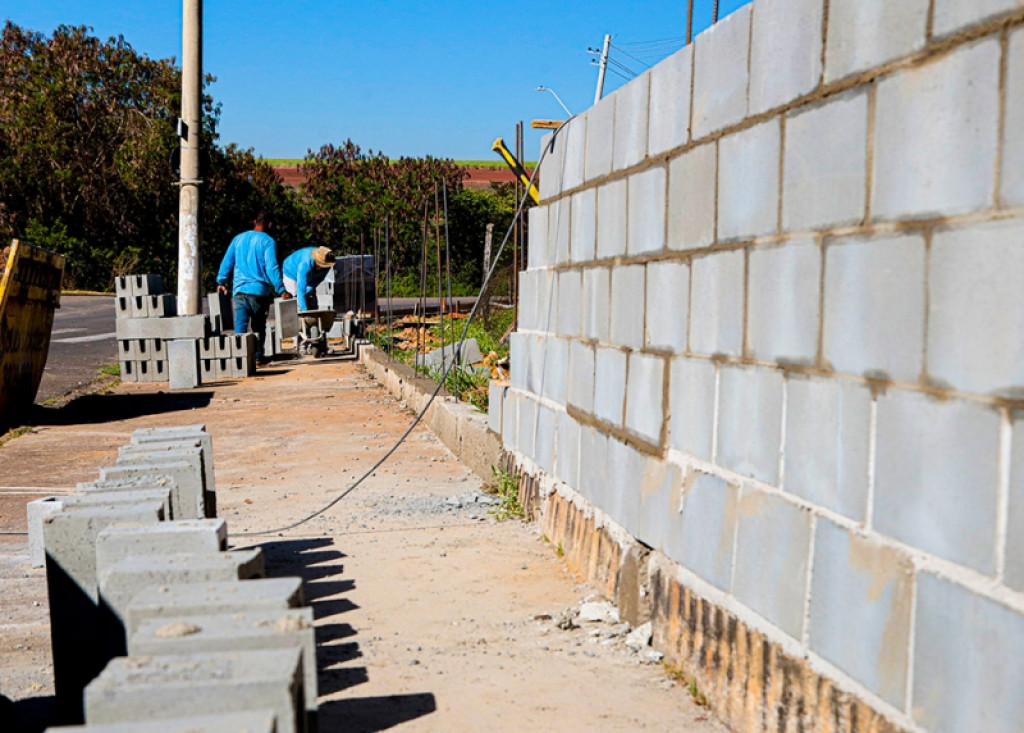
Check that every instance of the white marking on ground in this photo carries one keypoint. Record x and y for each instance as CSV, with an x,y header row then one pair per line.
x,y
84,339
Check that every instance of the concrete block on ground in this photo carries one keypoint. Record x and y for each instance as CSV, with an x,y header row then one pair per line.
x,y
36,512
825,165
271,342
785,52
600,132
645,400
874,306
750,422
151,371
692,406
927,452
201,599
668,306
692,183
974,302
773,559
129,372
631,109
596,304
120,497
187,499
244,631
127,350
956,629
646,194
583,226
828,432
914,119
1011,187
192,450
69,537
783,302
716,297
720,74
124,540
705,544
178,327
286,318
611,219
580,387
748,182
861,601
863,35
183,364
627,306
956,15
242,344
208,370
670,102
255,721
148,688
609,385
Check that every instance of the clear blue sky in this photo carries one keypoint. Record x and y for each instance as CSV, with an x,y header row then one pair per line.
x,y
441,78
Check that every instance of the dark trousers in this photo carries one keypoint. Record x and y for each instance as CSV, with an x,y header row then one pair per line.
x,y
251,314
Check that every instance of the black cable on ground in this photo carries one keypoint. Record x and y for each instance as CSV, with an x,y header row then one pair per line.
x,y
444,375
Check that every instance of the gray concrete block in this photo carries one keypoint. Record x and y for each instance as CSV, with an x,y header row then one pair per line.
x,y
570,293
526,426
609,385
874,306
597,291
510,419
151,371
220,305
550,184
670,102
558,233
183,364
127,350
1011,188
974,302
705,544
860,612
256,721
593,478
646,195
192,450
36,511
519,352
242,344
244,631
828,432
956,629
580,387
692,182
1014,553
537,244
927,452
536,362
600,132
154,688
212,347
864,35
208,370
783,297
617,496
955,15
187,499
69,537
748,182
631,107
785,52
611,219
645,401
495,400
716,304
201,599
567,450
667,306
773,558
544,438
914,120
556,369
123,540
148,284
178,327
286,318
583,226
720,74
151,349
750,422
627,306
573,140
661,496
692,406
825,165
122,286
180,435
161,306
120,497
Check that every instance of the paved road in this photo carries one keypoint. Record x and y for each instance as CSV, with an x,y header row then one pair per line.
x,y
81,342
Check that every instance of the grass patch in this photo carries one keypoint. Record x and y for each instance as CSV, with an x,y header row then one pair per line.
x,y
15,433
110,370
508,494
679,676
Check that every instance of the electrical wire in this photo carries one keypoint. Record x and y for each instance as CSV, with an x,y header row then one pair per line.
x,y
625,53
433,395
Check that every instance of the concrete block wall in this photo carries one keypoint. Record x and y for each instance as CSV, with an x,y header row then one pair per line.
x,y
793,260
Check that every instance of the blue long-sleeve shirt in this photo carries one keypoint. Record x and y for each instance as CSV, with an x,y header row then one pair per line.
x,y
251,261
300,267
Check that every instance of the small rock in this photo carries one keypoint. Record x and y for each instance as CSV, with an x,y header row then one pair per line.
x,y
640,637
599,612
413,662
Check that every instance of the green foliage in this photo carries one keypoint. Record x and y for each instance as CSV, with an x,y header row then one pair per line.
x,y
508,494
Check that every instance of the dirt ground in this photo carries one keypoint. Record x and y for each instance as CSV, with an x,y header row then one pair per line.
x,y
431,614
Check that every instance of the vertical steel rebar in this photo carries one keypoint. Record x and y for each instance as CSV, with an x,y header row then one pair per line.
x,y
714,13
387,277
440,297
689,23
448,270
423,283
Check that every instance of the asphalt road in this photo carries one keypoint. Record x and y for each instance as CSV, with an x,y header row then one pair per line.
x,y
82,340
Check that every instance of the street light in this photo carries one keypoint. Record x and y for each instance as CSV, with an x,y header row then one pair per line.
x,y
546,89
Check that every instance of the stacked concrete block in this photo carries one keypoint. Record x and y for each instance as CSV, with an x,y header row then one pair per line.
x,y
189,436
184,466
228,356
222,312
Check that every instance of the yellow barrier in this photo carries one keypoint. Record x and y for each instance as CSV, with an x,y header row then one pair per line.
x,y
29,292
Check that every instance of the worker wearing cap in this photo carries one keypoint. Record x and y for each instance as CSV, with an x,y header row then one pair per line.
x,y
303,270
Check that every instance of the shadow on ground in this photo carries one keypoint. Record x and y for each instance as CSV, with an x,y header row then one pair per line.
x,y
102,408
29,715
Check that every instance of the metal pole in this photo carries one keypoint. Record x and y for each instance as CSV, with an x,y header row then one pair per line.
x,y
603,67
689,24
189,137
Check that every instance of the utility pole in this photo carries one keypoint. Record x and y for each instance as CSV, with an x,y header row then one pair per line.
x,y
189,139
603,67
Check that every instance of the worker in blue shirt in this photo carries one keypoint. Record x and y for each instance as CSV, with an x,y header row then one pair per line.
x,y
251,263
303,270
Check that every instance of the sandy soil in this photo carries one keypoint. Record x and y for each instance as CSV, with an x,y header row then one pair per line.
x,y
431,614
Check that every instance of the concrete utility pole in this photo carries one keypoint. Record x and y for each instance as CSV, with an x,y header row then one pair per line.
x,y
603,67
189,136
